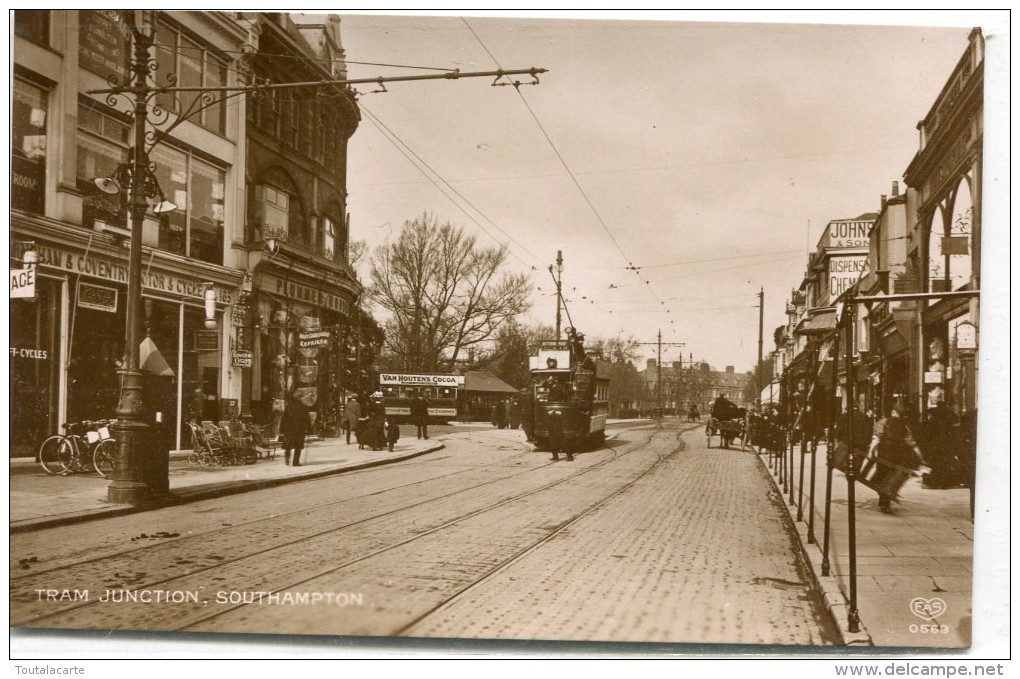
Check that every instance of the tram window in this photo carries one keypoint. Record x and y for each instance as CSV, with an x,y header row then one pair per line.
x,y
389,392
447,392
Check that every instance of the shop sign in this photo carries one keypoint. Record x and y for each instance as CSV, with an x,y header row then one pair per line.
x,y
303,293
22,283
207,340
98,297
933,377
241,358
844,272
34,354
847,234
116,271
418,380
966,337
306,340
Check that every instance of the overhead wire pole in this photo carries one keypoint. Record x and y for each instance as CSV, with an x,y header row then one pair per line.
x,y
128,485
658,361
761,326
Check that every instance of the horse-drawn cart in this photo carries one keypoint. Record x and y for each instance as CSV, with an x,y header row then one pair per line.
x,y
726,430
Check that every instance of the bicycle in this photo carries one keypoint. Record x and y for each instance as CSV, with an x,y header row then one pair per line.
x,y
85,447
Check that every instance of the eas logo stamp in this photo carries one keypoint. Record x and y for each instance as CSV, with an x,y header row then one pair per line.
x,y
928,610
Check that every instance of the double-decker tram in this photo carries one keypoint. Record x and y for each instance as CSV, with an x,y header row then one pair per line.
x,y
400,389
571,396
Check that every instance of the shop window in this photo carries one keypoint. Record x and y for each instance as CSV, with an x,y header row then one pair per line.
x,y
28,147
34,367
194,66
33,24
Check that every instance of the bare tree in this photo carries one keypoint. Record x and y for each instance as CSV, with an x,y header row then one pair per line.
x,y
444,294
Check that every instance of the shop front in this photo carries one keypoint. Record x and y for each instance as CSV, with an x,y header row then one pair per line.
x,y
68,341
297,329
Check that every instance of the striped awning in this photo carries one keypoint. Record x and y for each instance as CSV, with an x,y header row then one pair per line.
x,y
820,323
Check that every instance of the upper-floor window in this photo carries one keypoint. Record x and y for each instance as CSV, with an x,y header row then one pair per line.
x,y
195,66
102,147
275,209
329,237
33,24
197,188
28,146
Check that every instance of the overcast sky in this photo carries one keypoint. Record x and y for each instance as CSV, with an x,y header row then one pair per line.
x,y
679,166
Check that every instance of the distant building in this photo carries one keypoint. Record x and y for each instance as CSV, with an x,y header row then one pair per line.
x,y
696,384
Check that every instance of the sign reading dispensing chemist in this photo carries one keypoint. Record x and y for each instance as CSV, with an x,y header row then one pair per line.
x,y
844,272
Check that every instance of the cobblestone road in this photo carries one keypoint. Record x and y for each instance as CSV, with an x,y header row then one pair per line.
x,y
641,541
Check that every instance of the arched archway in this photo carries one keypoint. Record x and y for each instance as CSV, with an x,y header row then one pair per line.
x,y
950,241
277,208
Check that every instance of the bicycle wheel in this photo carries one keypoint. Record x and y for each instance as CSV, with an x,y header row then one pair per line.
x,y
102,457
49,455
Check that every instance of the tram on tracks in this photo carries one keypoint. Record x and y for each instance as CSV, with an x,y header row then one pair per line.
x,y
571,396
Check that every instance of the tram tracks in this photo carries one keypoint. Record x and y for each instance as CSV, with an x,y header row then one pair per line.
x,y
195,566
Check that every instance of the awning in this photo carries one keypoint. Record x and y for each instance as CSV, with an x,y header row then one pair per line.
x,y
820,323
770,394
152,361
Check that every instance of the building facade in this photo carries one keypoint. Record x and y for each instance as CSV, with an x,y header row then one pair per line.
x,y
295,336
237,174
923,251
67,340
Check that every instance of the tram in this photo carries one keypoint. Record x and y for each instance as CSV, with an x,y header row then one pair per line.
x,y
400,389
571,396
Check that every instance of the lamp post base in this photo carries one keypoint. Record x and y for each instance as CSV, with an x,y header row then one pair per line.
x,y
128,485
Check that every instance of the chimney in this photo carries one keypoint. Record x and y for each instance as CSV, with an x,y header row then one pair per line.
x,y
729,368
895,189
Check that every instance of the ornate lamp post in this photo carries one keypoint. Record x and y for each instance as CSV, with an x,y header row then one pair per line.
x,y
128,486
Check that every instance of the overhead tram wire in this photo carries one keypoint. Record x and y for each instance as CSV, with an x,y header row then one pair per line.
x,y
570,173
405,149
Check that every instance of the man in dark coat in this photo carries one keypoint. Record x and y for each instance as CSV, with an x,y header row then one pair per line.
x,y
352,413
724,409
294,426
420,415
528,412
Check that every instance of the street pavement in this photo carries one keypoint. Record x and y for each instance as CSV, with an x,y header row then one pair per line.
x,y
38,500
914,566
917,559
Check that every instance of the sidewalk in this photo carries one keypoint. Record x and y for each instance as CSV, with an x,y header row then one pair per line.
x,y
918,558
38,500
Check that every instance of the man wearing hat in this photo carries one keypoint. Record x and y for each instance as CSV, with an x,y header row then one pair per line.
x,y
352,411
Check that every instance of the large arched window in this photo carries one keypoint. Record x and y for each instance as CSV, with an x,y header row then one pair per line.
x,y
277,209
950,241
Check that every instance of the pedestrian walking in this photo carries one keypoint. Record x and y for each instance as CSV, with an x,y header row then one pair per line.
x,y
896,453
392,432
420,415
862,433
375,426
197,405
352,412
294,426
943,449
528,413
